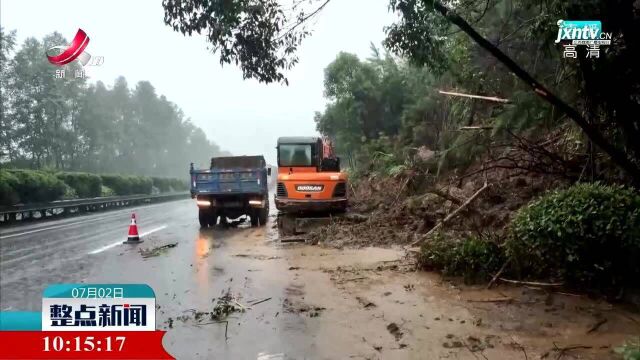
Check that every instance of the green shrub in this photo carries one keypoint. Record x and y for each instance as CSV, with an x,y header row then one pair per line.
x,y
128,185
141,184
587,235
85,185
163,184
630,350
107,191
169,184
117,183
473,258
37,186
179,185
69,193
8,185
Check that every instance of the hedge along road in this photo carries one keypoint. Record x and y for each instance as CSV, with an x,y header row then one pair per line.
x,y
301,301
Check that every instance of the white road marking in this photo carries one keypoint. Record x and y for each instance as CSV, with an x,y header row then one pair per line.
x,y
48,228
119,242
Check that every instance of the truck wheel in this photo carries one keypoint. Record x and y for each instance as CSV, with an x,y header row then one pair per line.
x,y
254,218
262,216
213,218
204,218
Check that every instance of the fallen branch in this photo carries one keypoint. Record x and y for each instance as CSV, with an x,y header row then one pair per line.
x,y
244,308
259,302
488,98
226,326
450,216
464,128
352,279
446,196
401,190
597,325
563,350
497,275
519,346
504,299
531,283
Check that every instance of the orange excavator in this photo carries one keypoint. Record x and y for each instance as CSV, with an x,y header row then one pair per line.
x,y
310,187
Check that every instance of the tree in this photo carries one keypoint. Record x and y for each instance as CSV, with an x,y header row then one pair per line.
x,y
256,34
67,124
7,44
424,35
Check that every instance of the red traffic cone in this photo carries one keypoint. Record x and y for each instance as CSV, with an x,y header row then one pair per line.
x,y
133,237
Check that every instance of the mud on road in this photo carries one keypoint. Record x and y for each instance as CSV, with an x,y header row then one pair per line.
x,y
239,293
369,303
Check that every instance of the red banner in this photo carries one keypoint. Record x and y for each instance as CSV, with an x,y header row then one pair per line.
x,y
82,345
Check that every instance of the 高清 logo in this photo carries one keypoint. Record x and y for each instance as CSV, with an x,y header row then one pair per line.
x,y
73,51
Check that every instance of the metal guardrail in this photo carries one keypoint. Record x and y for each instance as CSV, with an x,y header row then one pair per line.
x,y
41,211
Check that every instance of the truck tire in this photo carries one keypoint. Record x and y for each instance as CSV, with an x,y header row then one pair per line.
x,y
263,214
213,218
204,216
259,216
254,217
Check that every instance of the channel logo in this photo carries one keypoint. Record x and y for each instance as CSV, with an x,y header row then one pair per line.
x,y
73,51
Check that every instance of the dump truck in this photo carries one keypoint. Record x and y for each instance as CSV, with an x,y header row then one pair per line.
x,y
233,186
310,186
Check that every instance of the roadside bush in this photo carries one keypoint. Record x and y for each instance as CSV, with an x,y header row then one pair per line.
x,y
128,185
36,186
587,235
169,184
630,350
117,183
85,185
8,184
163,184
179,185
473,258
69,193
107,191
140,184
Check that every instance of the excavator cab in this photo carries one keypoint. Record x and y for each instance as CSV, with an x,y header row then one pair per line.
x,y
309,183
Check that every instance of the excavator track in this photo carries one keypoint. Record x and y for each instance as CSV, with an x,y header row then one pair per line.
x,y
294,225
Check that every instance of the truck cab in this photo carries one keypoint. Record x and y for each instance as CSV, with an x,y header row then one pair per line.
x,y
232,187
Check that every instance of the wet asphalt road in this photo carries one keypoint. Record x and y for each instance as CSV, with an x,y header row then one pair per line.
x,y
36,254
323,303
204,264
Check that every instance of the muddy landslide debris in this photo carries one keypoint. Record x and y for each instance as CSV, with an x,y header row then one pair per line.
x,y
379,217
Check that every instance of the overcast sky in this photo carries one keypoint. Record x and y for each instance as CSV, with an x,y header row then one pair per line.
x,y
241,116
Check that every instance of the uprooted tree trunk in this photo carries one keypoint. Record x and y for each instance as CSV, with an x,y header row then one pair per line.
x,y
450,216
618,156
